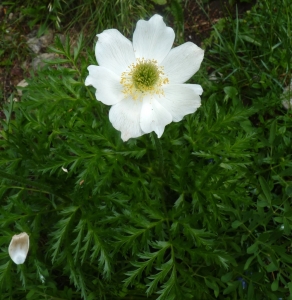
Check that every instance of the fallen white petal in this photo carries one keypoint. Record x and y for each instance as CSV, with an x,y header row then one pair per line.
x,y
152,39
114,51
181,99
65,170
154,117
125,117
18,248
182,62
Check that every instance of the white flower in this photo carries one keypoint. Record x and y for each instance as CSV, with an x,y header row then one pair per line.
x,y
18,248
143,80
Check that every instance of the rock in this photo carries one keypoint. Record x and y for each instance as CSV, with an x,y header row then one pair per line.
x,y
34,44
32,34
47,38
287,96
24,65
38,62
22,83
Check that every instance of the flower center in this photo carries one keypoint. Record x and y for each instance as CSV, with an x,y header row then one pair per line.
x,y
143,77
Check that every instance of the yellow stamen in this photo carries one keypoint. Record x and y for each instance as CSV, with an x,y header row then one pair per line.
x,y
142,78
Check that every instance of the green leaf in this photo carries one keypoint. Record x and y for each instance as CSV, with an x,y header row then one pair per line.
x,y
278,219
236,224
266,189
62,230
179,201
271,267
79,47
56,50
159,277
250,40
262,203
199,236
5,275
134,153
290,289
275,285
227,277
272,132
288,190
160,2
287,228
211,283
232,286
230,91
248,262
146,265
250,292
252,249
169,288
280,250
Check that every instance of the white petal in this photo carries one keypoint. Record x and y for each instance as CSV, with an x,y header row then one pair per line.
x,y
65,170
18,248
125,117
182,62
113,51
107,84
181,99
152,39
154,117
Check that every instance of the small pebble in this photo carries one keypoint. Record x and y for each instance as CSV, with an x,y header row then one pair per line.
x,y
22,83
34,44
38,62
287,96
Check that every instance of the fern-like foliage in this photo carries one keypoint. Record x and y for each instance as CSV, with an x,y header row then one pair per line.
x,y
210,218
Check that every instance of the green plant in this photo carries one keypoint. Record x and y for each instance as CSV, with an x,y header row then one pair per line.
x,y
209,219
90,16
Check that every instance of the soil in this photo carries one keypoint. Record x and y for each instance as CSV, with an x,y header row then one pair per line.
x,y
199,20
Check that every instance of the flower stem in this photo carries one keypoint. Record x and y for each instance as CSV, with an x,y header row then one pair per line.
x,y
160,154
161,172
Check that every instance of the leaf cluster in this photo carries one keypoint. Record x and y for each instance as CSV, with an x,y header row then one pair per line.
x,y
208,217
